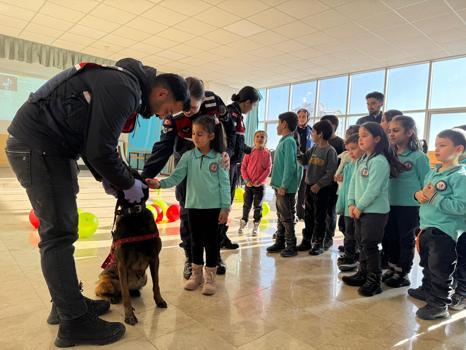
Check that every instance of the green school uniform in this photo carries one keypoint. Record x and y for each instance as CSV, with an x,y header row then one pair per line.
x,y
342,202
286,172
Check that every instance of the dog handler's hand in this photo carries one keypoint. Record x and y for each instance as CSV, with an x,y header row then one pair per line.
x,y
109,188
134,194
223,216
153,183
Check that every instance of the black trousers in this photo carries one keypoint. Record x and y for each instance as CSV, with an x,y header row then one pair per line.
x,y
369,231
286,210
253,195
438,258
203,224
301,198
234,178
51,184
185,234
331,219
400,236
316,212
460,273
350,240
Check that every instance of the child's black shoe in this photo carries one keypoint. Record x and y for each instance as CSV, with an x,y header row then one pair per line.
x,y
304,246
398,280
417,293
356,280
289,252
277,247
388,274
317,249
458,302
372,286
346,263
430,312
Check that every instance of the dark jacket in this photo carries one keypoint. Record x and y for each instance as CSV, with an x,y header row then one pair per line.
x,y
235,131
370,118
176,134
81,111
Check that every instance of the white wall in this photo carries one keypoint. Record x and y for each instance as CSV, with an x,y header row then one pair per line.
x,y
224,91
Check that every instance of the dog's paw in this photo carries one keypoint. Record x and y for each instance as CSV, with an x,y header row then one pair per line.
x,y
131,319
162,304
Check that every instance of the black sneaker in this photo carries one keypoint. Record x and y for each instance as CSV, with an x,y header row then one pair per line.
x,y
458,302
228,244
328,243
304,246
346,263
356,280
398,280
97,307
187,270
388,274
372,286
88,329
288,252
417,293
221,268
277,247
430,312
316,249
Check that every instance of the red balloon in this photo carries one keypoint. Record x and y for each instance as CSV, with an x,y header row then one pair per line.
x,y
173,212
33,219
159,212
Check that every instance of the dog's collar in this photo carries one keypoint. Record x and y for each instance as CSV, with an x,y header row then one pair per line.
x,y
131,210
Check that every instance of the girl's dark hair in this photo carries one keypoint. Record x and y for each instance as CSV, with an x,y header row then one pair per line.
x,y
325,128
212,125
408,123
392,113
424,145
332,119
262,132
352,138
196,88
383,147
456,135
245,94
352,129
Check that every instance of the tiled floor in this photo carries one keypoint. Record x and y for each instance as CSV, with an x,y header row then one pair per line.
x,y
263,302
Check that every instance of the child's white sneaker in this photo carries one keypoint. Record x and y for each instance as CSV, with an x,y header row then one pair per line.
x,y
255,229
242,225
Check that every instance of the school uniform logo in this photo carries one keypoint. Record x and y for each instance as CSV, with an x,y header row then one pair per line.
x,y
365,172
213,167
408,165
441,186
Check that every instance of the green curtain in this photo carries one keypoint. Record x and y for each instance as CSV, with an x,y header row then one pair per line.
x,y
49,56
252,120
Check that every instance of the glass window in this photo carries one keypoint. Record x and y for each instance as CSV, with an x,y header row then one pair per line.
x,y
361,85
277,101
352,120
407,87
341,127
332,96
272,137
442,121
260,126
419,118
261,105
448,83
303,96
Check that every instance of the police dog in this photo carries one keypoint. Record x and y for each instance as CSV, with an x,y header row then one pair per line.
x,y
136,246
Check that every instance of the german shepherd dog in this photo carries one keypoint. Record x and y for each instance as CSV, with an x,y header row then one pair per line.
x,y
136,246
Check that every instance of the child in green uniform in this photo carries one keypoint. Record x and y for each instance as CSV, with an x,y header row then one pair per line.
x,y
443,220
403,221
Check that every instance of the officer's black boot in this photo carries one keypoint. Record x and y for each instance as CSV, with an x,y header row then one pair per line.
x,y
226,242
221,267
305,244
290,249
356,280
372,286
278,246
97,307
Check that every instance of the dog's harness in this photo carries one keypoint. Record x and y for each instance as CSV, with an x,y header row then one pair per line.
x,y
110,260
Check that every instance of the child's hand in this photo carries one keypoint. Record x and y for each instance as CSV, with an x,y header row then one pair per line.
x,y
350,210
339,178
315,188
281,191
249,184
428,191
356,213
153,183
223,216
421,198
257,184
225,161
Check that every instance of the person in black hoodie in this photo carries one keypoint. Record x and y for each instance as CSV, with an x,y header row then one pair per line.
x,y
81,112
243,102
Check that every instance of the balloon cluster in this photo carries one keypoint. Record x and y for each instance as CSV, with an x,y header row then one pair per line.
x,y
161,209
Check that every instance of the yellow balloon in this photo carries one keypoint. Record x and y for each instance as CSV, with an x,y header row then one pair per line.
x,y
265,209
152,210
87,225
239,194
162,204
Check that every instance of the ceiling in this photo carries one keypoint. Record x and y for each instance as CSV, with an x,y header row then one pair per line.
x,y
239,42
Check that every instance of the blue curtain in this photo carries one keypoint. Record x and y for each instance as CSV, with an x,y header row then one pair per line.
x,y
252,120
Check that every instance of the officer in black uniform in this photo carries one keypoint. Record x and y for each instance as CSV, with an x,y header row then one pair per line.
x,y
176,139
81,112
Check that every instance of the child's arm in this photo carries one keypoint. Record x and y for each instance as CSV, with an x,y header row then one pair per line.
x,y
332,164
351,191
290,166
454,204
268,168
344,159
378,176
303,158
179,174
244,168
